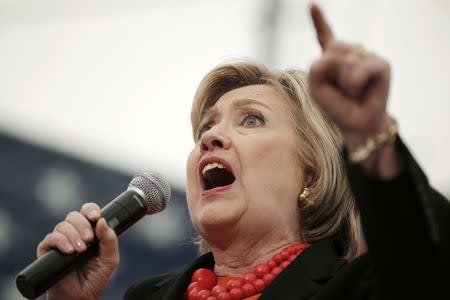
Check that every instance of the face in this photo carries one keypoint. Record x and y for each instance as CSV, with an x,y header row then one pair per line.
x,y
243,173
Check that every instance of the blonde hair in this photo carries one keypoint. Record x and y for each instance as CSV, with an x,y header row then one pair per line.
x,y
330,210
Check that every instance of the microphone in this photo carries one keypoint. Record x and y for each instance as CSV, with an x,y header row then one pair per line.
x,y
147,193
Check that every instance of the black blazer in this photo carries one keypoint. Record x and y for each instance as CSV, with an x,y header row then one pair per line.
x,y
407,229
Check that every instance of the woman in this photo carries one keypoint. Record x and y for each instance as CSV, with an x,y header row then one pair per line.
x,y
268,195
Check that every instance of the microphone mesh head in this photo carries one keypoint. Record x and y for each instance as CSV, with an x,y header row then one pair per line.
x,y
154,188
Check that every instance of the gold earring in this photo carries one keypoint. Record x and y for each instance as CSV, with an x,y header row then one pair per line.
x,y
303,199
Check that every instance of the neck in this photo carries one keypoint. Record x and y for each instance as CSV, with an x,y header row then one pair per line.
x,y
241,255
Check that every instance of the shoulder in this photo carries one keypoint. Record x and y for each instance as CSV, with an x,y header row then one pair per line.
x,y
149,286
354,280
359,270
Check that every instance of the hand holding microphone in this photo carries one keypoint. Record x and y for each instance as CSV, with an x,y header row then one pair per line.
x,y
72,236
77,259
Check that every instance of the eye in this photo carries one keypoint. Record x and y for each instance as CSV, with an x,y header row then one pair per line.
x,y
253,119
202,130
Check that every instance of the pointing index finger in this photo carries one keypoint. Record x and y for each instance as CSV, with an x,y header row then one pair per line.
x,y
323,30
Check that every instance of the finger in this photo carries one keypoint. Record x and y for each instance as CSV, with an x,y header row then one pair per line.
x,y
109,245
350,81
365,73
72,234
323,30
91,211
324,71
54,240
367,76
82,225
324,87
377,67
335,105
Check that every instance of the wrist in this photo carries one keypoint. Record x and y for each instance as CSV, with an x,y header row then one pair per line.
x,y
375,152
357,139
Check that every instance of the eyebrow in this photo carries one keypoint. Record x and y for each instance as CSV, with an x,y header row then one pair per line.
x,y
237,103
246,101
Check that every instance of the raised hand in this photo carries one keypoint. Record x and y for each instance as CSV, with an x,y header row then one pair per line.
x,y
351,86
72,235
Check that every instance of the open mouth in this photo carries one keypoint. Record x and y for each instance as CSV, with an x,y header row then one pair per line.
x,y
215,174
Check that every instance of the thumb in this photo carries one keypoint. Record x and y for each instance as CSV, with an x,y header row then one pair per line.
x,y
108,244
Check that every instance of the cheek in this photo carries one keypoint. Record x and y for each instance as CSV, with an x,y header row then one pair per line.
x,y
272,166
192,161
191,174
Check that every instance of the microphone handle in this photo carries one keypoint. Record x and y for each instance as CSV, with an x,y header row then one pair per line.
x,y
43,273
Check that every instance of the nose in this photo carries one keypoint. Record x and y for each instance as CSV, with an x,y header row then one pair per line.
x,y
212,140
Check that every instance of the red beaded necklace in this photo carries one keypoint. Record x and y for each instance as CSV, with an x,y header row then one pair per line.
x,y
204,285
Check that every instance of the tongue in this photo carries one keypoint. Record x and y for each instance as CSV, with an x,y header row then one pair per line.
x,y
218,177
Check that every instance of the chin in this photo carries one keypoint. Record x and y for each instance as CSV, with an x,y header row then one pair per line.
x,y
215,216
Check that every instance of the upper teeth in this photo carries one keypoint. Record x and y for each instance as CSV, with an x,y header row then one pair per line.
x,y
212,166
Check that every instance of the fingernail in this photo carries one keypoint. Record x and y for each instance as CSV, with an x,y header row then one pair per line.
x,y
68,247
80,244
100,221
93,214
87,234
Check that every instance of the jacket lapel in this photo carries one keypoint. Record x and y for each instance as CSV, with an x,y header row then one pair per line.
x,y
305,275
300,280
